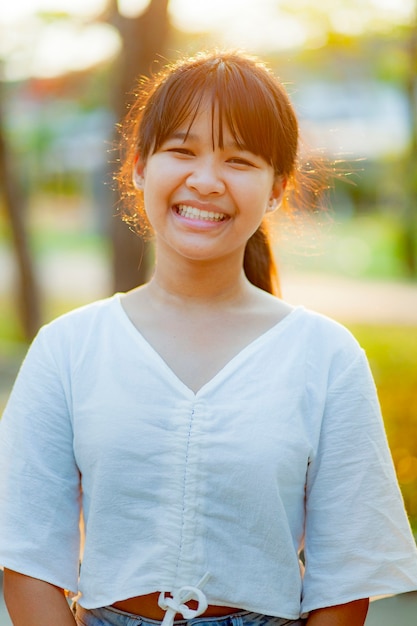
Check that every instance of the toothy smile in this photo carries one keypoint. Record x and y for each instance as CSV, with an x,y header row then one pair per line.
x,y
191,212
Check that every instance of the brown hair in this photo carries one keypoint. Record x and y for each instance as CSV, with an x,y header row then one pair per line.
x,y
246,97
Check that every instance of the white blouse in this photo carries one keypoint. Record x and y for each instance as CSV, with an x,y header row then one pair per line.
x,y
283,450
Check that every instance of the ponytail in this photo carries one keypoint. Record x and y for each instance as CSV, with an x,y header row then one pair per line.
x,y
259,263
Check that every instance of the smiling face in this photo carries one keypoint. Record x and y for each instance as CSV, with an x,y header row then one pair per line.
x,y
241,94
205,198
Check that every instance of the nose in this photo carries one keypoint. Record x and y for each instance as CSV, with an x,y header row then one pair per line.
x,y
205,177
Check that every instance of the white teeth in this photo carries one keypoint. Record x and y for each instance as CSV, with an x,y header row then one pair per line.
x,y
192,213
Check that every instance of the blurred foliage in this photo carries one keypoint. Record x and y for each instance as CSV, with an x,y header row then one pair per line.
x,y
392,355
364,246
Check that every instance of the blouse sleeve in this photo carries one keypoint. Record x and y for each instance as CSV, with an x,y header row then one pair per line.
x,y
358,541
39,479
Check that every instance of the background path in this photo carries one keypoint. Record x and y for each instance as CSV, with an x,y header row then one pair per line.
x,y
350,300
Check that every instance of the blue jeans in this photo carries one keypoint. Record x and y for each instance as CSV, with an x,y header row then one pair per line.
x,y
109,616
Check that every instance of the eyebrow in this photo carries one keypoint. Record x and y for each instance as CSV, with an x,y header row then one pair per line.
x,y
183,135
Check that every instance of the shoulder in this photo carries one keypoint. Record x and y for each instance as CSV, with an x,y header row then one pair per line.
x,y
321,331
76,331
326,346
309,327
83,318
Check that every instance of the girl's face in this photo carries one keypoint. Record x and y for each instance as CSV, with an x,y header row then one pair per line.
x,y
202,201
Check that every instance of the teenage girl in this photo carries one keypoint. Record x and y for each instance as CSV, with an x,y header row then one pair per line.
x,y
225,448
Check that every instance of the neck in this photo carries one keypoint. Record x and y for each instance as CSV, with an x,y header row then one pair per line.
x,y
200,284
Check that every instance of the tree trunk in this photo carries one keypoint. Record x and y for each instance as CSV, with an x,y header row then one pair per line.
x,y
143,37
27,289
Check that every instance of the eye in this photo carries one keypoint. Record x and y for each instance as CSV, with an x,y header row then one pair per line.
x,y
180,150
241,161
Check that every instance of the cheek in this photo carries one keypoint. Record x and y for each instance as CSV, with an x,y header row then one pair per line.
x,y
163,180
256,189
255,198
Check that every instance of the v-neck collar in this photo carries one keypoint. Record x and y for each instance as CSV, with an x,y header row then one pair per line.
x,y
242,354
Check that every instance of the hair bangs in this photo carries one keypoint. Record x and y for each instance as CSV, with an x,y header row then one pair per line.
x,y
246,109
236,98
175,105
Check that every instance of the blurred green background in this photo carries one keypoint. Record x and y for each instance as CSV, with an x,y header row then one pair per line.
x,y
66,70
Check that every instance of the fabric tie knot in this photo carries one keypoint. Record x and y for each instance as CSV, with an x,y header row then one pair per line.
x,y
176,603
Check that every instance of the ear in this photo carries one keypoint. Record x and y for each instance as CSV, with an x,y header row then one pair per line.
x,y
138,174
277,194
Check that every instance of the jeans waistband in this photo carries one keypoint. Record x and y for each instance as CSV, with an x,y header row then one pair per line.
x,y
110,616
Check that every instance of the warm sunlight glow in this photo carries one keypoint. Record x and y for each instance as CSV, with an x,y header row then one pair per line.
x,y
131,8
33,46
243,23
281,23
65,48
399,9
62,47
13,11
201,15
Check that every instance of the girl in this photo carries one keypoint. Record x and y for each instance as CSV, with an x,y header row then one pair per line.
x,y
210,433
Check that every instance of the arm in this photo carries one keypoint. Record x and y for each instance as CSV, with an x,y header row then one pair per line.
x,y
352,547
350,614
40,492
33,602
